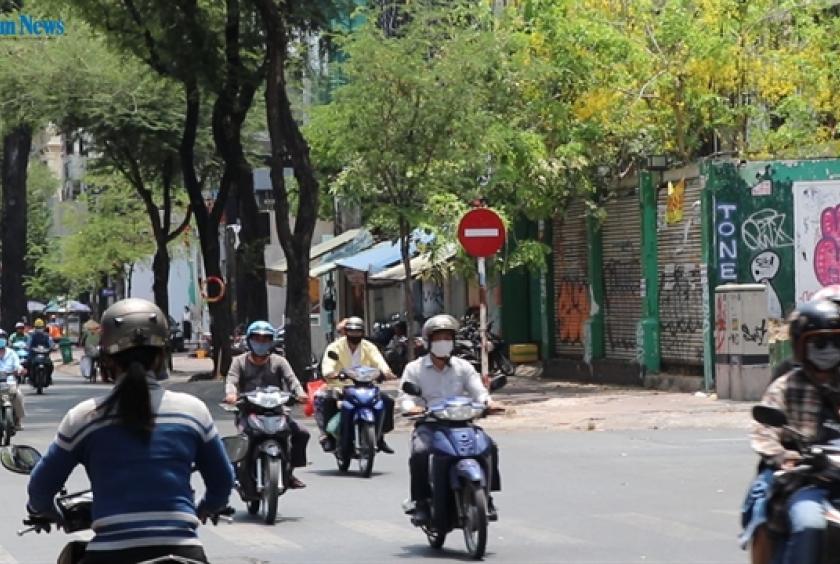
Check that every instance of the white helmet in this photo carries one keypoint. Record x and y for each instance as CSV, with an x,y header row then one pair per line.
x,y
442,322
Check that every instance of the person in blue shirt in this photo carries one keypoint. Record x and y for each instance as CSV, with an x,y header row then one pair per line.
x,y
38,337
10,364
139,446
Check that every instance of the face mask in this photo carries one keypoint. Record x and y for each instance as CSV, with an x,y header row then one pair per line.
x,y
261,349
442,349
824,358
354,340
3,343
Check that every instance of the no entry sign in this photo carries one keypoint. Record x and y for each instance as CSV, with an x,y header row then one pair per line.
x,y
481,232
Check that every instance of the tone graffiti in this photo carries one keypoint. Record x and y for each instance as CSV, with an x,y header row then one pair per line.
x,y
827,251
572,310
765,229
727,246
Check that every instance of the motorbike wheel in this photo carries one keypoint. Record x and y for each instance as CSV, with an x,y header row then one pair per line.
x,y
253,507
367,448
6,427
474,510
503,364
435,537
271,487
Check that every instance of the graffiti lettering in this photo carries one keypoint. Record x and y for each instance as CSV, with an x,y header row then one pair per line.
x,y
622,285
721,313
727,247
572,310
827,251
765,230
755,334
679,288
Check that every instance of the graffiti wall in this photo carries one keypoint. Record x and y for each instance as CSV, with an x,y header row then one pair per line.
x,y
571,284
816,208
777,223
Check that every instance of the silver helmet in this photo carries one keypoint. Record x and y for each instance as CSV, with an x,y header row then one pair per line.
x,y
441,322
354,324
133,323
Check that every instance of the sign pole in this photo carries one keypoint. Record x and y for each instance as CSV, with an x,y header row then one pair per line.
x,y
482,319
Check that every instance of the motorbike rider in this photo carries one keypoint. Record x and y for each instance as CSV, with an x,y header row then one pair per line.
x,y
809,394
19,335
38,337
258,368
350,351
9,362
439,376
138,445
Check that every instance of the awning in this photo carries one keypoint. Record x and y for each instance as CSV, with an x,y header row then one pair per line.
x,y
316,251
419,265
383,255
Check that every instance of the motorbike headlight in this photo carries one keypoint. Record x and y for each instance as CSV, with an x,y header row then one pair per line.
x,y
271,425
256,423
458,413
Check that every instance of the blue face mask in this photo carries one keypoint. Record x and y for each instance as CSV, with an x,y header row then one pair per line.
x,y
260,349
3,343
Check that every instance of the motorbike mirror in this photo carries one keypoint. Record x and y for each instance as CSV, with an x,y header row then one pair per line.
x,y
236,447
498,382
21,459
769,416
333,355
412,389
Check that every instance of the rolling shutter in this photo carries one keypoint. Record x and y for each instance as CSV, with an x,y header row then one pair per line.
x,y
571,281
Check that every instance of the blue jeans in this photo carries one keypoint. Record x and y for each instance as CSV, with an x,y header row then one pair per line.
x,y
807,528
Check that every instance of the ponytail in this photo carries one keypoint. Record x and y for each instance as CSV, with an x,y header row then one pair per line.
x,y
130,400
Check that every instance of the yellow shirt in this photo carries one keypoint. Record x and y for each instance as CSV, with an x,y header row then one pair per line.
x,y
369,356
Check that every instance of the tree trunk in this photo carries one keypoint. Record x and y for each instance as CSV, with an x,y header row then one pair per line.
x,y
207,223
252,294
408,294
16,146
160,270
288,144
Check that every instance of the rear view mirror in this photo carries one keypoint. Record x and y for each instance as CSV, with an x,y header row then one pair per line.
x,y
498,382
412,389
236,447
770,416
20,459
333,355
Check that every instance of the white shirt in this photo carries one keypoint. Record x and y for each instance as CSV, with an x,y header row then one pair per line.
x,y
458,378
9,362
357,356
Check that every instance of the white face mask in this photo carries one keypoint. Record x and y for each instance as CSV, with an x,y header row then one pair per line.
x,y
824,358
442,349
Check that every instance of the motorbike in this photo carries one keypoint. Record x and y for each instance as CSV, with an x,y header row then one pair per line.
x,y
457,474
820,466
74,510
362,404
8,389
22,352
264,419
40,368
468,347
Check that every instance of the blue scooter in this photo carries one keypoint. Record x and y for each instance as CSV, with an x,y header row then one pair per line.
x,y
361,409
458,476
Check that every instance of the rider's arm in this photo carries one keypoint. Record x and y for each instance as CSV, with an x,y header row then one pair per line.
x,y
330,366
215,468
52,470
14,359
765,440
233,375
406,401
291,380
475,386
375,357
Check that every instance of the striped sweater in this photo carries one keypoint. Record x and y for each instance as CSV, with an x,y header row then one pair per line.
x,y
141,490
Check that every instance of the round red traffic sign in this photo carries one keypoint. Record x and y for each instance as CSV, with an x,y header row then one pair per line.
x,y
481,232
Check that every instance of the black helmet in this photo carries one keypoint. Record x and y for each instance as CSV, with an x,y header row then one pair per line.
x,y
817,317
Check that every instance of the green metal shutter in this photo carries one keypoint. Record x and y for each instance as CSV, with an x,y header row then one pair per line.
x,y
622,275
571,281
680,289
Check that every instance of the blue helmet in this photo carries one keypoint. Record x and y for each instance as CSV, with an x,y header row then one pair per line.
x,y
259,328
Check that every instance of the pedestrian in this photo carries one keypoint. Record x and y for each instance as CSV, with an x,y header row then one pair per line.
x,y
186,323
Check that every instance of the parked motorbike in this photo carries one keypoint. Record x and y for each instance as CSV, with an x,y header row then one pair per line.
x,y
468,347
362,404
264,419
820,466
457,474
8,389
40,368
74,510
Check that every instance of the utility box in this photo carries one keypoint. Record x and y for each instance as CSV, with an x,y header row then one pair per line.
x,y
742,353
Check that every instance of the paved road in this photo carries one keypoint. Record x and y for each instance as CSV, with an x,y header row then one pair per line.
x,y
664,496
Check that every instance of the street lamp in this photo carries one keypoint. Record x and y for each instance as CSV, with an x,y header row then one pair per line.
x,y
656,162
